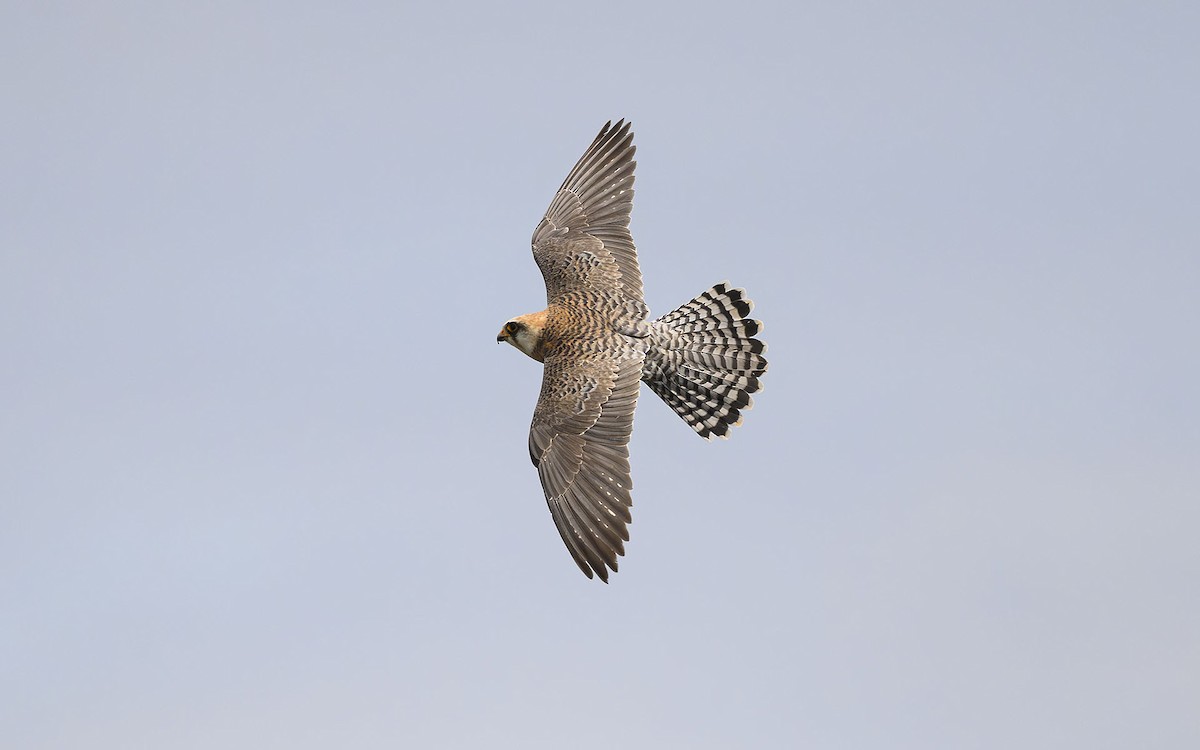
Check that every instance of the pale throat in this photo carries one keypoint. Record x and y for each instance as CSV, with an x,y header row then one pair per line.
x,y
529,339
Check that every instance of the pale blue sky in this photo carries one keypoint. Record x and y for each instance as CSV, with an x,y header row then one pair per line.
x,y
265,480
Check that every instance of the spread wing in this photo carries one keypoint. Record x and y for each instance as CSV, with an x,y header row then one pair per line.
x,y
589,218
578,441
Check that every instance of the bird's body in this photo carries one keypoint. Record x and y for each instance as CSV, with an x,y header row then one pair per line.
x,y
597,346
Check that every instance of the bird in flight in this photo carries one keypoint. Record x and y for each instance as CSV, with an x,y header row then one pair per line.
x,y
597,344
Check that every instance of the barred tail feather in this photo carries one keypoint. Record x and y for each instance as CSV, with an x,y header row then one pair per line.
x,y
704,361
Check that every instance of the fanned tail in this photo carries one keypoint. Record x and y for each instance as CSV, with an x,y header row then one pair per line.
x,y
705,362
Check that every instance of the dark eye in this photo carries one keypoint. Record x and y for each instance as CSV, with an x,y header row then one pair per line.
x,y
511,328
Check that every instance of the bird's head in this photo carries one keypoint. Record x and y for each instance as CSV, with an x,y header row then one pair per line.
x,y
525,333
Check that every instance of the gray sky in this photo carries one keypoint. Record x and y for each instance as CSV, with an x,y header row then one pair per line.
x,y
265,480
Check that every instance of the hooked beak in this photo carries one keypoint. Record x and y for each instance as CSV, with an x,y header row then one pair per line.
x,y
501,337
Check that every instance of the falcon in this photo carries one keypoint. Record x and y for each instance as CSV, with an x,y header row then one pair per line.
x,y
597,344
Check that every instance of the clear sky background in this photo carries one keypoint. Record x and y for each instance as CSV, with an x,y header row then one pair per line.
x,y
265,481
